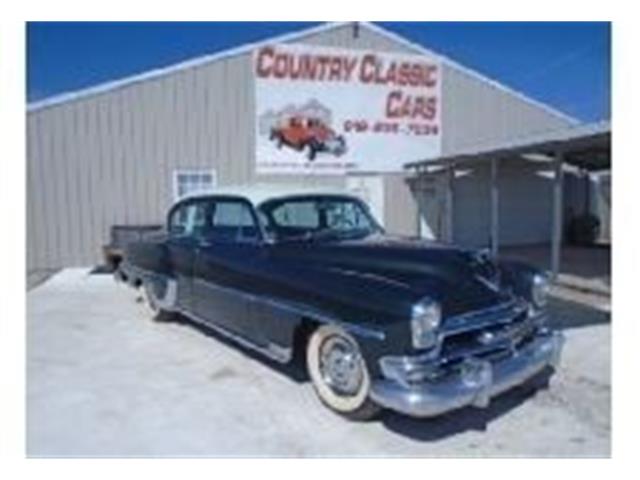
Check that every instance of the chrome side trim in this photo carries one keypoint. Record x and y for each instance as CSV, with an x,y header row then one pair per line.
x,y
298,309
371,276
273,351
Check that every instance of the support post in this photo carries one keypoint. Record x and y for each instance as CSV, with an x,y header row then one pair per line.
x,y
449,202
418,192
556,233
494,208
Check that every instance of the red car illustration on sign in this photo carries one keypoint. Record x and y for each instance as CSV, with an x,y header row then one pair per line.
x,y
308,134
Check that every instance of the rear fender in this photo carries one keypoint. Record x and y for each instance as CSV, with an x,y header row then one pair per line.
x,y
165,290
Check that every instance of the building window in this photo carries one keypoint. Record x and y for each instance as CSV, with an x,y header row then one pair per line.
x,y
193,181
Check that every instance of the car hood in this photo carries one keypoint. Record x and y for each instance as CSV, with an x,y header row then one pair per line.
x,y
399,271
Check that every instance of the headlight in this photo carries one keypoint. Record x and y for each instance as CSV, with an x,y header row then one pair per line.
x,y
425,320
539,290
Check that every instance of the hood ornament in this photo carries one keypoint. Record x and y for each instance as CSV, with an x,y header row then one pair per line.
x,y
482,258
491,284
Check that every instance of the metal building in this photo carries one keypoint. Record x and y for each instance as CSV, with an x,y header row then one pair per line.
x,y
119,153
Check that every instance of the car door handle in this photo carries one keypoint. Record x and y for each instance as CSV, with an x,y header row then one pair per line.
x,y
204,243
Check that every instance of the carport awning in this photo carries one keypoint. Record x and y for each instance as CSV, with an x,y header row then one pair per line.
x,y
585,146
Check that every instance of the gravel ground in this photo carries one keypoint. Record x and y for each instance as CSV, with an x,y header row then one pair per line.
x,y
104,380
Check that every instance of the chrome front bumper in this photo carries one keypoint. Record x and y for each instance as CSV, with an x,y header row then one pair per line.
x,y
474,385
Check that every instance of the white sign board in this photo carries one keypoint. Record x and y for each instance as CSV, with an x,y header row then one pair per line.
x,y
323,110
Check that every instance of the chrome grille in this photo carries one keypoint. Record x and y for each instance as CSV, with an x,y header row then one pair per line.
x,y
485,332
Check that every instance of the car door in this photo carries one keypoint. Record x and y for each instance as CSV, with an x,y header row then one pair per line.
x,y
225,267
186,224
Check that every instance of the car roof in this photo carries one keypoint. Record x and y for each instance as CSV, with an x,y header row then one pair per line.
x,y
259,193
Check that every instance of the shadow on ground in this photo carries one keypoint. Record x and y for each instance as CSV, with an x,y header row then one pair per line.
x,y
429,429
295,370
566,314
465,419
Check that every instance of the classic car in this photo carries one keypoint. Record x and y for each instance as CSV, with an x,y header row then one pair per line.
x,y
407,324
310,134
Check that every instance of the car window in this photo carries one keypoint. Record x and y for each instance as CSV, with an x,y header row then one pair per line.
x,y
318,217
345,216
188,219
297,214
231,220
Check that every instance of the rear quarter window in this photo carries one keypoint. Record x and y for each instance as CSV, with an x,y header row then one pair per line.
x,y
232,221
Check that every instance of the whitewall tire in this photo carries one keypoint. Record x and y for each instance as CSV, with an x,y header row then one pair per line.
x,y
339,373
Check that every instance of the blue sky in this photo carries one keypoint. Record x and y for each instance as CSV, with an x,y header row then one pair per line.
x,y
566,65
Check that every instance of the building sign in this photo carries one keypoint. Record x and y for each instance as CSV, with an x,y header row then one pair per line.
x,y
324,110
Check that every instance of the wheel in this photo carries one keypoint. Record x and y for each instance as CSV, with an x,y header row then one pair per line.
x,y
339,373
152,303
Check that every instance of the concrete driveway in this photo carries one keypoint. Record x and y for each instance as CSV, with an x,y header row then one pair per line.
x,y
104,380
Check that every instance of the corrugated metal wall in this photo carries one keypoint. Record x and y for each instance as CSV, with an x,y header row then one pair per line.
x,y
108,159
477,113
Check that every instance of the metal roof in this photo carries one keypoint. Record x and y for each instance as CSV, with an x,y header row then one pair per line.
x,y
247,48
587,146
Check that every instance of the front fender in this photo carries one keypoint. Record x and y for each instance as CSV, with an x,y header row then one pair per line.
x,y
518,276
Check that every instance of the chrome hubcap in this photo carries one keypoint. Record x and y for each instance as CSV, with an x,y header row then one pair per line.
x,y
340,366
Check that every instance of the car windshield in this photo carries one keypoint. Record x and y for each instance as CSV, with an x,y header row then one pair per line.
x,y
317,217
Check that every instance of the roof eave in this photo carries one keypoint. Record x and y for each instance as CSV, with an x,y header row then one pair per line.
x,y
553,141
246,48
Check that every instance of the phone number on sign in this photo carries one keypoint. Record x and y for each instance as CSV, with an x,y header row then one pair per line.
x,y
364,126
